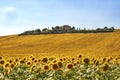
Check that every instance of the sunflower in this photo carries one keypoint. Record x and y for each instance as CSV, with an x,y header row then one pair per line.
x,y
16,60
73,59
79,56
31,70
39,60
78,62
69,66
64,59
28,63
22,61
105,67
46,67
2,62
31,56
97,62
61,59
6,65
111,58
12,65
10,61
108,60
35,61
55,66
94,61
25,58
6,72
86,61
39,70
104,59
45,60
60,64
75,64
54,61
0,57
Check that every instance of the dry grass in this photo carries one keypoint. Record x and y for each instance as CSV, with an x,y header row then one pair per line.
x,y
92,44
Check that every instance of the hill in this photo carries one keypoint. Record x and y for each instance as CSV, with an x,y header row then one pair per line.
x,y
90,44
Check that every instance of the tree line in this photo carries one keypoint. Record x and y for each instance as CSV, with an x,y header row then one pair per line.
x,y
66,29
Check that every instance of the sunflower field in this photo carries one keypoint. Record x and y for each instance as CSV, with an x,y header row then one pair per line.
x,y
60,68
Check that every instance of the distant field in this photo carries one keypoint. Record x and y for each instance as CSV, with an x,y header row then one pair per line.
x,y
90,44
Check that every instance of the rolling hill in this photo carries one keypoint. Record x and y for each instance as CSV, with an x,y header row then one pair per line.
x,y
90,44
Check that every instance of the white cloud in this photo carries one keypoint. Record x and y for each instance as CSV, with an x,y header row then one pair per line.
x,y
7,9
8,15
10,9
6,12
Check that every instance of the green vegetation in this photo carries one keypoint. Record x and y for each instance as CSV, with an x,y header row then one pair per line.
x,y
64,68
66,29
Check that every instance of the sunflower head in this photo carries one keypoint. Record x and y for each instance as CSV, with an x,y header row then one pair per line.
x,y
6,65
60,64
61,59
79,56
12,65
0,57
104,59
16,60
78,62
10,61
86,61
22,61
46,67
25,58
55,66
108,60
73,59
75,64
2,62
35,61
39,60
45,60
6,72
28,63
97,62
54,61
105,67
69,66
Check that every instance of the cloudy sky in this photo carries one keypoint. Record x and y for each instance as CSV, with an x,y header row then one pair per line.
x,y
17,16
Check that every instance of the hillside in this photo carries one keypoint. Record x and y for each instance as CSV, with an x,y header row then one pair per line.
x,y
91,44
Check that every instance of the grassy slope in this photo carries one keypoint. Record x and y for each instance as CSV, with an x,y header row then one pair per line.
x,y
99,44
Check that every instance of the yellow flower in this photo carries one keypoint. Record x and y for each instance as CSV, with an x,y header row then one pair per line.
x,y
55,66
2,62
6,72
105,67
22,61
45,60
28,63
46,67
86,61
12,65
6,65
79,56
60,64
69,66
0,57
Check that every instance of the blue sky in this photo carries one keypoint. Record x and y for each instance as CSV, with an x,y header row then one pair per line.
x,y
17,16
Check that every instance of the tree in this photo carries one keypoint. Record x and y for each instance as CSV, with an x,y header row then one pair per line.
x,y
38,31
105,28
44,29
113,28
